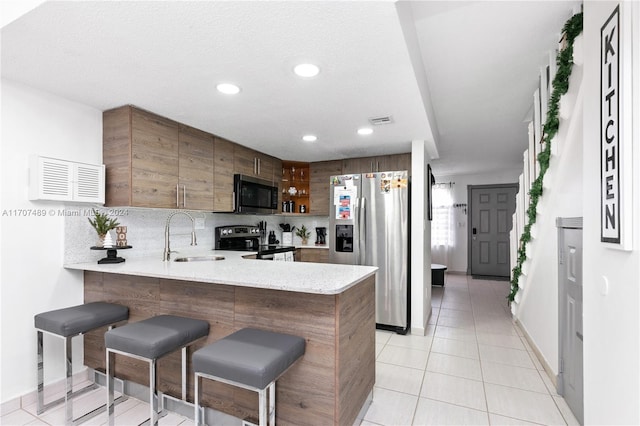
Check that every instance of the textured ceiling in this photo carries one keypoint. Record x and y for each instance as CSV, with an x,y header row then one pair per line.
x,y
480,62
483,60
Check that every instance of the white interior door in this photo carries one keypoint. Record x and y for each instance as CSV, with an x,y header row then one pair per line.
x,y
570,377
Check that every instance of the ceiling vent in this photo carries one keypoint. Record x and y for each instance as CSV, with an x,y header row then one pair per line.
x,y
377,121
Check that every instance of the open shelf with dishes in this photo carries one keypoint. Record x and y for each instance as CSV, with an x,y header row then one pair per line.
x,y
295,187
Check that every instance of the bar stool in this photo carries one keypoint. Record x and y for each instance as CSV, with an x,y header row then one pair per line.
x,y
149,340
251,359
67,323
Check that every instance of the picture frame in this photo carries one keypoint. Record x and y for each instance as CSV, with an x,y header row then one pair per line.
x,y
616,116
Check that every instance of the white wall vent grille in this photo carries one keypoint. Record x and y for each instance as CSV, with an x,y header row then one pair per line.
x,y
56,178
89,182
60,180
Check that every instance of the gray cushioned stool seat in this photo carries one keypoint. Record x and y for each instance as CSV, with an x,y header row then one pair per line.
x,y
157,336
249,356
80,319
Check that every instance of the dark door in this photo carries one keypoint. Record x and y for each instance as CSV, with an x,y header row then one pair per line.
x,y
492,208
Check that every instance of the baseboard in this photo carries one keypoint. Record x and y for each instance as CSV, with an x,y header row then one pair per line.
x,y
9,406
547,368
364,409
53,388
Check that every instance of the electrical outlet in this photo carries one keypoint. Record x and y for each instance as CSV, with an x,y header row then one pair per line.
x,y
199,222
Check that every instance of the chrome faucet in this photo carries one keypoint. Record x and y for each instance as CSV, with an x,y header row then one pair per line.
x,y
167,250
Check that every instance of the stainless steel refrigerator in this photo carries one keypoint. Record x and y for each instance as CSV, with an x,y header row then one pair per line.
x,y
369,225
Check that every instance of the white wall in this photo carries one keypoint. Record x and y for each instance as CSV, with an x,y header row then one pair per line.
x,y
538,308
32,279
458,258
611,316
420,242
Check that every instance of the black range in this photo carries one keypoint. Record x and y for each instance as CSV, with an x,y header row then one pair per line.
x,y
247,238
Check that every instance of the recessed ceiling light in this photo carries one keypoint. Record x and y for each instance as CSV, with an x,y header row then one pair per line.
x,y
306,70
309,138
228,88
365,131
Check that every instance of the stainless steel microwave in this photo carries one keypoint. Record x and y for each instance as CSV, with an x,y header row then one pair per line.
x,y
254,195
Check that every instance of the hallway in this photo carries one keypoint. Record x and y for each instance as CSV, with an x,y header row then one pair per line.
x,y
473,367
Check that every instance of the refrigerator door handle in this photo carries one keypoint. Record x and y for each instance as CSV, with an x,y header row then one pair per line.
x,y
362,232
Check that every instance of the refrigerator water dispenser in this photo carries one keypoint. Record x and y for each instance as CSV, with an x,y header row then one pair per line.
x,y
344,238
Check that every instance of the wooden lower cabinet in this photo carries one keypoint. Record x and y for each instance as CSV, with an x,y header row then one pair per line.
x,y
327,386
315,255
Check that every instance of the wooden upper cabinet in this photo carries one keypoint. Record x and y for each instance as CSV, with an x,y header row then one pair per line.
x,y
353,165
377,164
398,162
244,160
152,161
223,151
253,163
319,185
196,168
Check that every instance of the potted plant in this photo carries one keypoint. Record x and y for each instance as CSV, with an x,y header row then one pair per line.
x,y
102,223
303,233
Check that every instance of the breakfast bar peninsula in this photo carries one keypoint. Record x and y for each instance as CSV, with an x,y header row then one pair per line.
x,y
331,306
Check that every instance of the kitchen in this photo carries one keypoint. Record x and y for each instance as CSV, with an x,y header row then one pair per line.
x,y
76,132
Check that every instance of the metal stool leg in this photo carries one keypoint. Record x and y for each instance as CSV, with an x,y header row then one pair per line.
x,y
40,366
68,400
196,399
272,403
184,373
262,407
153,400
111,357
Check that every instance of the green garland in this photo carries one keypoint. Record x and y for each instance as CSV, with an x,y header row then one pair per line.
x,y
572,29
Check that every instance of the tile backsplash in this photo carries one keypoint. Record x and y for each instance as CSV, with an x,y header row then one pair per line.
x,y
145,230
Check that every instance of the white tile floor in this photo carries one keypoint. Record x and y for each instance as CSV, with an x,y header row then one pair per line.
x,y
472,368
129,412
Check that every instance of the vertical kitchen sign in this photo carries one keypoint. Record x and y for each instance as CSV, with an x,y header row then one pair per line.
x,y
615,134
610,129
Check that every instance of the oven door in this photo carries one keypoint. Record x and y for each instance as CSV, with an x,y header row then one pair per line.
x,y
238,244
282,253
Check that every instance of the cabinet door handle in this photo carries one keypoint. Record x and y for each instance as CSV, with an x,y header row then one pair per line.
x,y
177,195
184,196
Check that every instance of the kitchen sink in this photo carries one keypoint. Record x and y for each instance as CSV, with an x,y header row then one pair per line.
x,y
198,258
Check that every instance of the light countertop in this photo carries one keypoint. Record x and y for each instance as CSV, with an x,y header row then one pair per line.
x,y
303,277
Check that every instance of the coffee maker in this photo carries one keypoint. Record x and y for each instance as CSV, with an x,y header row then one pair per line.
x,y
321,236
